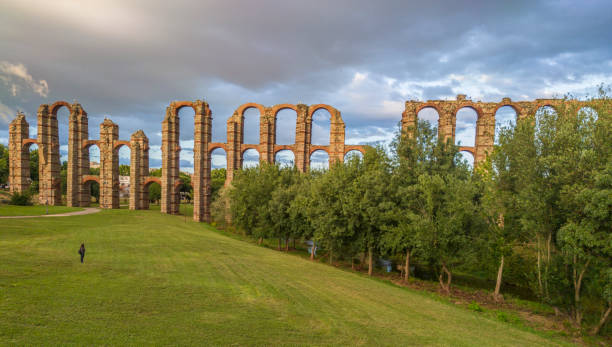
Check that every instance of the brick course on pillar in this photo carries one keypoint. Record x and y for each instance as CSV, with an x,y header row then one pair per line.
x,y
201,162
19,155
50,190
77,133
170,161
139,170
109,165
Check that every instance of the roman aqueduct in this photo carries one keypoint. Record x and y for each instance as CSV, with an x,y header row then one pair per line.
x,y
78,177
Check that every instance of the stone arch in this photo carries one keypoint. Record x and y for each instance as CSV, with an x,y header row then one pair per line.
x,y
248,157
57,105
317,159
353,152
151,179
285,157
249,132
588,111
429,113
466,123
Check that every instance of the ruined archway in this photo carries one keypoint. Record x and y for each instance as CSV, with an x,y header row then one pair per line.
x,y
505,118
319,160
466,120
250,158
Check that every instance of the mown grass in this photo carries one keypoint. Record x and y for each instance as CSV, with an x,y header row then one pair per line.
x,y
36,210
152,278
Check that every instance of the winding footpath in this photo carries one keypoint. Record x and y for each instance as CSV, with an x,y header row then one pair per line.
x,y
88,210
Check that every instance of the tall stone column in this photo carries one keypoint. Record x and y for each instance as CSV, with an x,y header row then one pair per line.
x,y
139,169
409,117
50,189
336,138
83,157
302,138
485,136
170,161
234,144
201,161
77,132
109,165
446,125
19,155
267,135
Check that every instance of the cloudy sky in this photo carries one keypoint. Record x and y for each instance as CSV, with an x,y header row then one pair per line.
x,y
128,59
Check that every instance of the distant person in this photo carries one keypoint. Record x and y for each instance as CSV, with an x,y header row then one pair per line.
x,y
82,252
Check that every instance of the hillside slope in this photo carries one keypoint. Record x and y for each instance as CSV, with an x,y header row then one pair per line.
x,y
152,278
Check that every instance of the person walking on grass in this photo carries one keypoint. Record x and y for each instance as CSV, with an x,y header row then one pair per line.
x,y
82,252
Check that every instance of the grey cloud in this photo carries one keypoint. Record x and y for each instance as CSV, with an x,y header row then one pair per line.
x,y
128,61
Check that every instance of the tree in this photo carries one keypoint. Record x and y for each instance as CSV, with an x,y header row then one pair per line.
x,y
94,190
4,164
124,170
154,192
217,181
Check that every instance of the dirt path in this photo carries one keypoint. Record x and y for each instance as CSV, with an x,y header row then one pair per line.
x,y
88,210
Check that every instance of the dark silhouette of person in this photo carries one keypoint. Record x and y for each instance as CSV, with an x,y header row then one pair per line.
x,y
82,251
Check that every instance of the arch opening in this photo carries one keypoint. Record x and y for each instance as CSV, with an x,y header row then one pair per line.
x,y
505,118
352,154
94,159
122,161
218,159
588,113
152,190
285,158
63,117
431,116
467,158
94,191
465,127
250,126
32,149
285,127
186,135
250,158
321,127
542,114
319,160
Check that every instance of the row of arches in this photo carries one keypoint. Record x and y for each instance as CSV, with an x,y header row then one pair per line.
x,y
319,159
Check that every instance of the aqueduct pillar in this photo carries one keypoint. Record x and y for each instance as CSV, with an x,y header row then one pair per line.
x,y
78,160
109,165
200,180
139,170
19,155
303,125
336,138
50,190
170,161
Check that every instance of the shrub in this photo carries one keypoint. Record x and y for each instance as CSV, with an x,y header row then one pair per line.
x,y
475,307
21,199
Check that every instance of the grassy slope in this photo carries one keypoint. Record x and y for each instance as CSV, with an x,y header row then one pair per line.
x,y
10,210
154,278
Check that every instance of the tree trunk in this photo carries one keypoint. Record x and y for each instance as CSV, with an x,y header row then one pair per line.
x,y
577,285
260,241
603,320
352,263
499,279
312,251
407,269
539,267
294,243
287,245
279,243
331,255
362,260
370,267
445,287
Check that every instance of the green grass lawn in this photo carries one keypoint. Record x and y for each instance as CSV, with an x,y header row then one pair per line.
x,y
152,278
11,210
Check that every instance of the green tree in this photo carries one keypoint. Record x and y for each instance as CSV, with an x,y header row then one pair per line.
x,y
217,181
4,164
124,170
154,192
